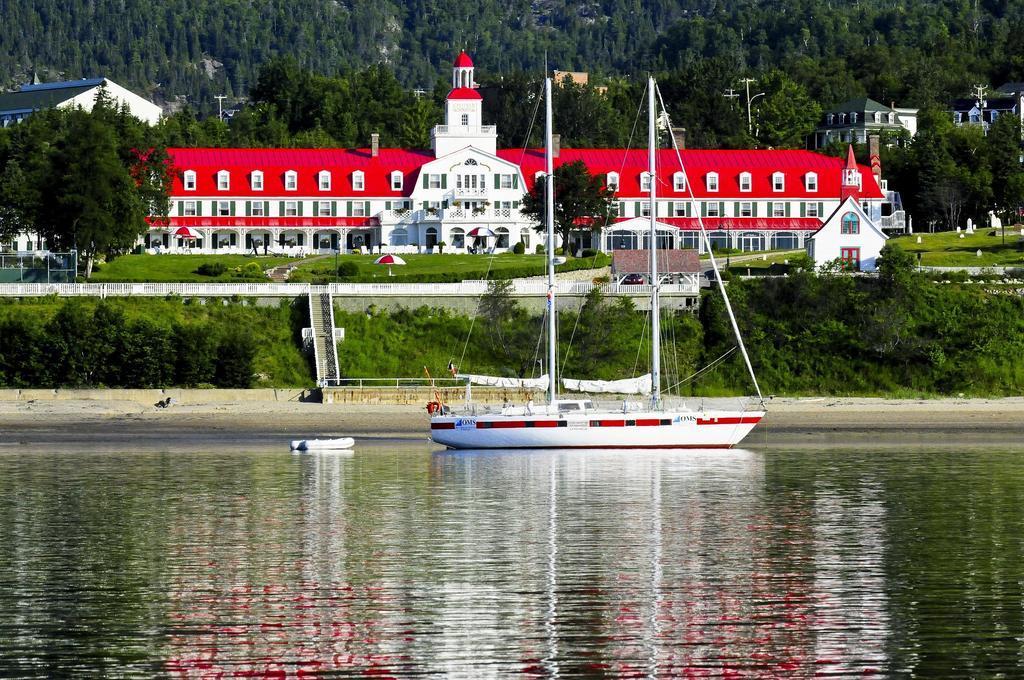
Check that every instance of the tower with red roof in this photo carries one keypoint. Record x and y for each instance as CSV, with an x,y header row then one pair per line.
x,y
463,115
851,183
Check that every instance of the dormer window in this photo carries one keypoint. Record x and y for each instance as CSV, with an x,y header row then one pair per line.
x,y
396,180
223,180
842,118
679,181
811,181
256,180
189,180
712,181
291,181
539,175
324,180
612,181
645,181
892,118
745,181
878,116
358,181
778,181
853,117
830,119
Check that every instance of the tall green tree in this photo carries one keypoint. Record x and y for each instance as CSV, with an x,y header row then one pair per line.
x,y
582,203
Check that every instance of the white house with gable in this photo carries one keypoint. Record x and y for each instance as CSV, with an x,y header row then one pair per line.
x,y
850,236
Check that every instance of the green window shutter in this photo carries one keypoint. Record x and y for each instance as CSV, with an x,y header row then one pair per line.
x,y
736,207
803,209
703,208
366,208
248,208
300,207
515,181
334,208
425,180
231,208
721,208
248,241
787,208
199,208
216,242
753,209
497,180
821,211
280,211
181,208
301,239
266,208
515,205
444,181
348,208
636,209
234,239
387,205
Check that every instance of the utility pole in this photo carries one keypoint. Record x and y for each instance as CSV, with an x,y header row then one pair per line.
x,y
220,106
731,93
979,94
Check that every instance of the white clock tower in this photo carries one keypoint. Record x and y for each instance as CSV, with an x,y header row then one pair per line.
x,y
463,115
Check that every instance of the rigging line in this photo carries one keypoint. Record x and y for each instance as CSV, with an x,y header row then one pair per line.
x,y
472,321
540,338
640,344
529,130
636,121
568,349
711,255
713,364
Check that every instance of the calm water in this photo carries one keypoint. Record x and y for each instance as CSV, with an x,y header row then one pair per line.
x,y
400,561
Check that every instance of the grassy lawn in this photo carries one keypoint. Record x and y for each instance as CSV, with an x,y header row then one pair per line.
x,y
182,268
947,249
434,267
757,265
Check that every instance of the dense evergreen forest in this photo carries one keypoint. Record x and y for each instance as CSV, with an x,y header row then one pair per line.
x,y
916,53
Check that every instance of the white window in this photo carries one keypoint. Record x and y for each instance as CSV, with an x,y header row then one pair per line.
x,y
224,208
433,181
358,181
256,180
612,181
324,180
358,209
746,210
745,181
645,181
645,209
878,116
842,119
892,118
812,210
778,209
831,118
256,209
811,181
396,180
853,117
223,180
679,181
465,119
505,181
323,208
679,209
712,181
189,209
291,209
291,180
189,180
713,209
778,181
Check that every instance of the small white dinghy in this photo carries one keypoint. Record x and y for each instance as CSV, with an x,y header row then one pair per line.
x,y
339,444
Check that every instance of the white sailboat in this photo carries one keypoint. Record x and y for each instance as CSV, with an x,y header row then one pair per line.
x,y
576,423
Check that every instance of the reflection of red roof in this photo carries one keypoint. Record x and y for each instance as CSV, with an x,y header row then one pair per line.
x,y
728,164
274,163
464,93
463,60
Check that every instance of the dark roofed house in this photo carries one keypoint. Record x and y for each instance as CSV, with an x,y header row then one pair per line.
x,y
15,106
852,121
984,111
673,263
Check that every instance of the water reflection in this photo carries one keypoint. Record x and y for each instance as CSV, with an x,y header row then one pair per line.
x,y
559,563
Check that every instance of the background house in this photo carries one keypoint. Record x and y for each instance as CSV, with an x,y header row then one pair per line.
x,y
854,120
15,106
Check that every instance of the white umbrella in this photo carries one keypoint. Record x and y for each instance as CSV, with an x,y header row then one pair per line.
x,y
481,232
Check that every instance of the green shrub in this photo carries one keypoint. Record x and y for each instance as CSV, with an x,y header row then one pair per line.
x,y
539,249
348,270
211,269
589,252
519,248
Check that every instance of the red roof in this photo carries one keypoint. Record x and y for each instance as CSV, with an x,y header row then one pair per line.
x,y
463,60
760,163
308,163
464,93
738,223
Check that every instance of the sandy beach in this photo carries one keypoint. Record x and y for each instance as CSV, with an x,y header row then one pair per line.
x,y
129,423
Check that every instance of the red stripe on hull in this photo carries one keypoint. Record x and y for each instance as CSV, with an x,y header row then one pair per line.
x,y
728,421
652,446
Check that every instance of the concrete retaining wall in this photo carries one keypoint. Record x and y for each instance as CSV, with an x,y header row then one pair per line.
x,y
180,396
468,304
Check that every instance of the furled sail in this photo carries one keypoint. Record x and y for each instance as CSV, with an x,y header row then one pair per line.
x,y
638,385
540,383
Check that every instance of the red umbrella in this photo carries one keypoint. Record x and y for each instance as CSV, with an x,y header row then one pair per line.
x,y
185,232
389,260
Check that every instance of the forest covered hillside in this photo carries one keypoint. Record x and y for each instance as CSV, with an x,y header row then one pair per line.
x,y
914,52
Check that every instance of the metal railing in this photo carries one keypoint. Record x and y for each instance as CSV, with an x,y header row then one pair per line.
x,y
465,130
403,383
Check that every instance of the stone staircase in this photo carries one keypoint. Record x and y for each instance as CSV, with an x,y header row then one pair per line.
x,y
322,337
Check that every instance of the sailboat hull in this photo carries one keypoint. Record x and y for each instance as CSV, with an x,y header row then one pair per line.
x,y
596,430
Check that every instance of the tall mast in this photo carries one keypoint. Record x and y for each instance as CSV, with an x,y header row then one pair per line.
x,y
549,197
652,142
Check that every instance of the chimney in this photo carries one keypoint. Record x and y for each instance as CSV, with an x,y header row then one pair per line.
x,y
556,145
875,159
374,144
679,134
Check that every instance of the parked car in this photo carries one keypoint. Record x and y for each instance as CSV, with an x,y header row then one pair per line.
x,y
632,280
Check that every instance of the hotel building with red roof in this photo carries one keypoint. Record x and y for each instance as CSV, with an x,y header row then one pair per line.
x,y
301,201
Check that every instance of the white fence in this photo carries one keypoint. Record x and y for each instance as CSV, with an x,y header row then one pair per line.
x,y
464,288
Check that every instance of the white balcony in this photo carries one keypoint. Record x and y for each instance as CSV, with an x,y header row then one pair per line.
x,y
462,130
